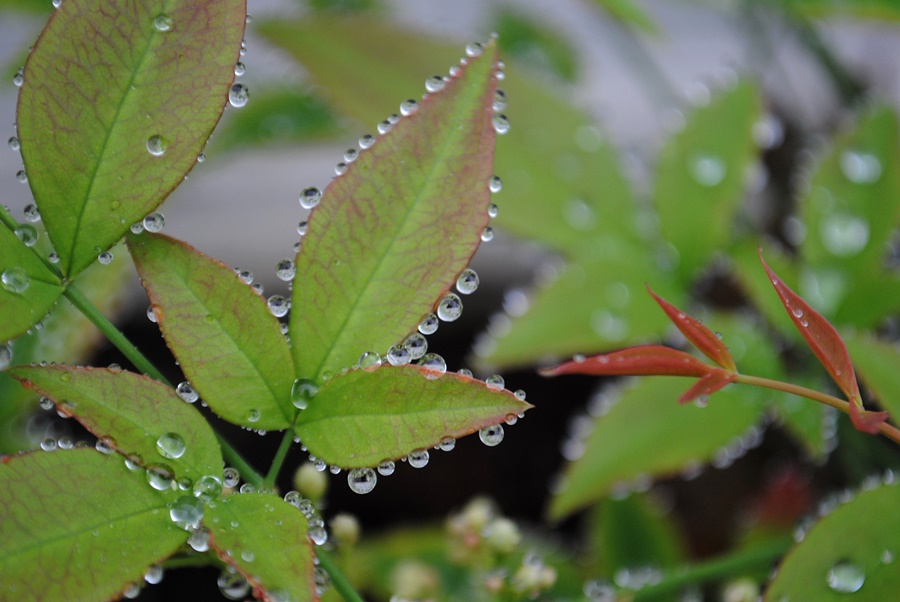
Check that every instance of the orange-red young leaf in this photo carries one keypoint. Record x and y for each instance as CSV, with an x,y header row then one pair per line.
x,y
828,347
708,385
647,360
702,337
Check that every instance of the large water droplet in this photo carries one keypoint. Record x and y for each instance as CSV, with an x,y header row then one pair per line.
x,y
408,107
844,234
845,577
156,145
398,355
495,184
467,283
369,361
232,585
27,233
447,444
707,170
310,197
429,324
154,221
187,392
154,574
450,308
163,23
491,435
435,365
171,445
386,468
501,123
207,488
160,476
418,458
474,49
105,258
499,100
860,167
362,480
278,305
435,83
238,95
31,213
366,141
416,344
285,270
15,280
495,382
14,143
302,392
230,477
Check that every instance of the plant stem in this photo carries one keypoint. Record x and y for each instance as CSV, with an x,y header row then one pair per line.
x,y
236,460
759,556
338,579
889,431
280,455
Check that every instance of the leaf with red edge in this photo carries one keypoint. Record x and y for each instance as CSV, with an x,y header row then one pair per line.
x,y
361,418
698,334
264,538
78,525
118,101
392,234
644,360
828,347
708,385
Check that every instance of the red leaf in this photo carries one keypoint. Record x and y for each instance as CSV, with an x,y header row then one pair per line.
x,y
698,334
649,360
829,348
708,385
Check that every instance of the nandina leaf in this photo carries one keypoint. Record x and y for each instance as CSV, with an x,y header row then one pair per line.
x,y
850,553
264,538
227,341
361,418
131,413
395,230
699,335
645,435
107,75
28,287
701,174
826,344
877,363
78,525
636,361
708,385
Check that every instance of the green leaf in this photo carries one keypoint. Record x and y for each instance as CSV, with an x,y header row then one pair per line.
x,y
264,538
629,12
28,287
396,229
881,10
877,362
701,175
850,212
851,550
647,433
78,525
228,343
133,414
561,203
361,418
113,96
535,44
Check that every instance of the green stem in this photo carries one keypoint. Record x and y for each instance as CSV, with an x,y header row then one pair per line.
x,y
338,579
280,455
236,460
759,556
884,428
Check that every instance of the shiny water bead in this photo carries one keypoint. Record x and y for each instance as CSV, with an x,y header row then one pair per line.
x,y
163,22
27,233
520,395
369,360
487,234
187,392
318,535
417,345
321,580
105,258
362,480
408,107
171,445
447,444
340,168
31,213
285,270
238,95
302,228
156,145
495,382
207,488
21,176
434,364
151,315
386,468
232,585
239,69
154,574
6,356
366,141
48,444
495,184
159,476
154,221
14,143
65,443
500,100
455,70
384,127
474,49
19,77
278,305
15,280
230,477
350,155
137,227
398,355
45,403
418,458
310,197
133,590
199,540
201,157
501,123
846,577
491,435
450,308
435,83
302,392
467,283
464,372
429,324
493,210
293,498
393,119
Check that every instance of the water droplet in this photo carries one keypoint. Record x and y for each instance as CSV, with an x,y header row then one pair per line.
x,y
500,100
859,167
21,176
302,391
310,197
187,392
6,356
156,145
207,488
845,577
14,143
495,382
238,96
15,280
45,402
318,535
160,476
31,213
416,344
253,416
501,123
248,556
474,49
467,283
491,435
163,23
398,355
171,445
362,480
384,127
199,540
464,372
495,184
707,170
450,308
232,585
19,77
434,364
418,458
487,234
887,557
369,361
386,468
137,227
493,210
201,157
285,270
520,395
239,68
27,233
48,444
302,227
154,574
230,477
366,141
105,258
154,222
447,444
844,234
408,107
435,83
429,324
151,315
278,305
